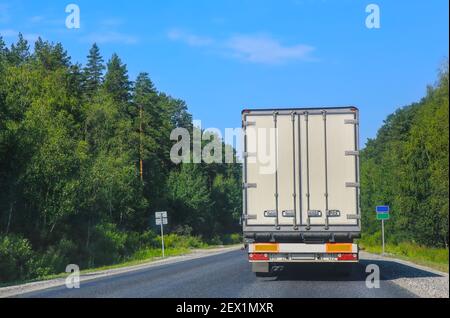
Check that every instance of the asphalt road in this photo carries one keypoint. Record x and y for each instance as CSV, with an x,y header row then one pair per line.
x,y
228,275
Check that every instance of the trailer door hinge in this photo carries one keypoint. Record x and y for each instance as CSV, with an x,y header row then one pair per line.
x,y
249,185
352,153
351,122
249,123
249,154
352,185
249,217
353,217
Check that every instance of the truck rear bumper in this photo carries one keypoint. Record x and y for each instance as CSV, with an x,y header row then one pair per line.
x,y
300,234
303,253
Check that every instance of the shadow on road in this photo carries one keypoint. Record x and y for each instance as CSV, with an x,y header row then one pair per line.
x,y
389,270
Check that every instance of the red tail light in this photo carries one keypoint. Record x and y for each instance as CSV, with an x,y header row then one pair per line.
x,y
258,257
347,257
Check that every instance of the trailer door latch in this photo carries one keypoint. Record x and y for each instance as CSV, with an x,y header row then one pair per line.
x,y
270,213
333,213
314,213
288,213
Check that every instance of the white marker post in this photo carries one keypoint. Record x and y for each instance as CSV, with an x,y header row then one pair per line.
x,y
161,219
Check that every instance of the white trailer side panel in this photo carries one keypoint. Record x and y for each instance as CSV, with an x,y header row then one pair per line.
x,y
341,168
260,198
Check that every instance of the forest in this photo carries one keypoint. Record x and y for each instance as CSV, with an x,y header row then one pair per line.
x,y
71,190
72,139
406,167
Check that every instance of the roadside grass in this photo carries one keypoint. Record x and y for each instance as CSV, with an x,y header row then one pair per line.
x,y
141,257
175,246
437,258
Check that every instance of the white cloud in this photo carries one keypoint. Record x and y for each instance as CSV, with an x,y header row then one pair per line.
x,y
111,22
188,38
13,35
31,37
37,19
110,37
262,49
8,33
44,20
266,50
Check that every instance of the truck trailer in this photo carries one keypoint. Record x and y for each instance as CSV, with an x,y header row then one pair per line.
x,y
301,196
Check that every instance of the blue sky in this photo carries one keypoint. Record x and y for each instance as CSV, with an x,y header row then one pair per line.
x,y
221,56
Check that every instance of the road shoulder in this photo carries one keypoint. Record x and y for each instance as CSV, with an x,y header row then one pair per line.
x,y
420,280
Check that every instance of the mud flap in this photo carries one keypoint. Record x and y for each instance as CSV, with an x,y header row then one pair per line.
x,y
260,267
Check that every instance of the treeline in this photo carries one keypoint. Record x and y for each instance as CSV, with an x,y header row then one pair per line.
x,y
71,141
406,167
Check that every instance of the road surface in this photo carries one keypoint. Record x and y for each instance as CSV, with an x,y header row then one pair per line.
x,y
228,275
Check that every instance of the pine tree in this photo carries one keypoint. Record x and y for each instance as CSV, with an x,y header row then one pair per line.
x,y
145,93
117,83
76,79
144,85
61,55
50,56
20,51
3,49
93,71
147,120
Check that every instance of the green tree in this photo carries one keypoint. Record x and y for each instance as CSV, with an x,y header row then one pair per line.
x,y
406,166
19,52
191,199
50,56
93,71
117,83
70,144
3,50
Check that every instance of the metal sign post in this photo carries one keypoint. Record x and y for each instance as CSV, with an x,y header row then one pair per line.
x,y
161,219
382,214
382,233
162,241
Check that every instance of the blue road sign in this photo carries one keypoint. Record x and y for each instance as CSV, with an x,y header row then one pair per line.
x,y
382,209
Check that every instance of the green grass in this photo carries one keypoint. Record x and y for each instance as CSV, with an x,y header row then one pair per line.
x,y
436,258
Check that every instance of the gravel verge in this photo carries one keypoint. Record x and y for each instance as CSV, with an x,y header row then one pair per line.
x,y
422,281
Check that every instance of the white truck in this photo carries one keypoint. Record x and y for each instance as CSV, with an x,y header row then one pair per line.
x,y
300,186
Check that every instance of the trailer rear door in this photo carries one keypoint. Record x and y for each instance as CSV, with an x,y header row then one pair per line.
x,y
301,168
